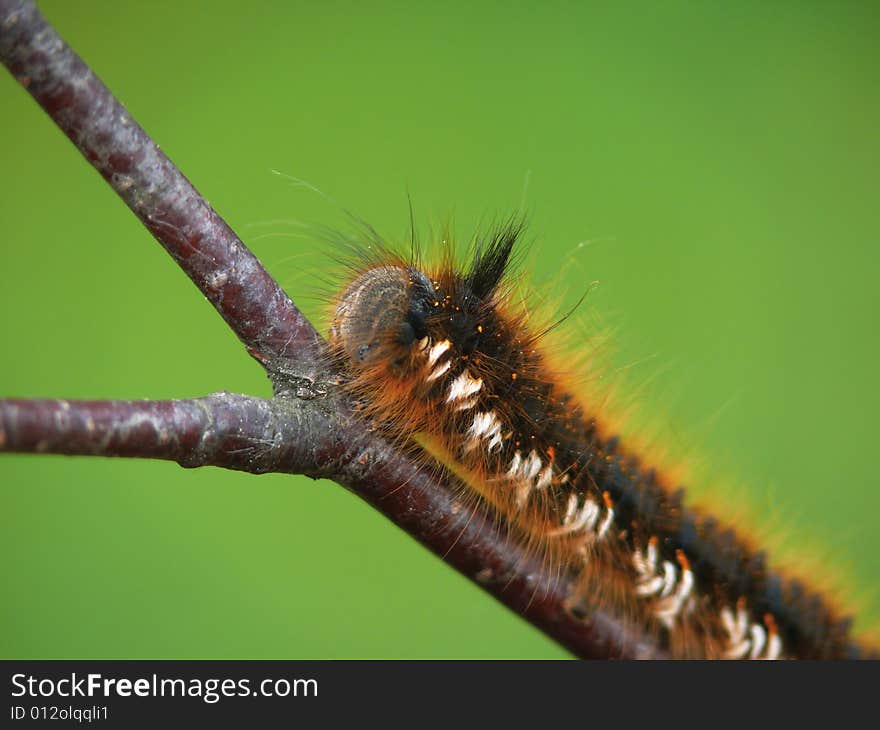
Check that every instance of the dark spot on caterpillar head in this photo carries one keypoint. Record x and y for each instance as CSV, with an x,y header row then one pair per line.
x,y
422,296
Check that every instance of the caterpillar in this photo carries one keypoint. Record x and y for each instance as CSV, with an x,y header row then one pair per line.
x,y
446,354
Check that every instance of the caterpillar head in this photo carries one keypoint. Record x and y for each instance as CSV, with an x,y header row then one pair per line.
x,y
392,309
384,308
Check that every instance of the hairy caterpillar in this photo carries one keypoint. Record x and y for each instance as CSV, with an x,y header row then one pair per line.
x,y
445,353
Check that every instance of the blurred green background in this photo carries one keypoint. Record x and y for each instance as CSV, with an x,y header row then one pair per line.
x,y
718,161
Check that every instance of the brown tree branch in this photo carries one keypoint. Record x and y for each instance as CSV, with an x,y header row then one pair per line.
x,y
309,427
227,430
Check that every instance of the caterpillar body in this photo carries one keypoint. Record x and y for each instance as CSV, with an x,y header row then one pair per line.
x,y
444,352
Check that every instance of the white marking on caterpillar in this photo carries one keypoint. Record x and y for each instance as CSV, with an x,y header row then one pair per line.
x,y
524,472
774,647
531,466
646,563
649,582
484,423
586,520
576,520
673,587
738,643
606,523
670,607
467,405
514,466
569,510
759,638
650,586
749,640
545,478
439,371
487,426
436,352
668,578
736,627
463,386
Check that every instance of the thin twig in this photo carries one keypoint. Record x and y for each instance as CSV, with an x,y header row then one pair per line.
x,y
224,429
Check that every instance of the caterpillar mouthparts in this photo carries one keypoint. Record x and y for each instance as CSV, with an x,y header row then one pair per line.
x,y
444,353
